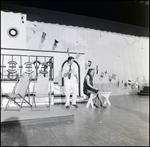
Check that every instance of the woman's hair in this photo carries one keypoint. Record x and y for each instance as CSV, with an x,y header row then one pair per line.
x,y
90,76
89,71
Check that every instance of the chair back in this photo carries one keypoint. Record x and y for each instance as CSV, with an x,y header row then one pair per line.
x,y
42,86
22,85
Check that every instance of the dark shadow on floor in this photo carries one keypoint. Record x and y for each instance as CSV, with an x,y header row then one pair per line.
x,y
12,133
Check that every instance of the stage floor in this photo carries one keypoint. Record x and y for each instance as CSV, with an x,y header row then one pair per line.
x,y
123,123
38,115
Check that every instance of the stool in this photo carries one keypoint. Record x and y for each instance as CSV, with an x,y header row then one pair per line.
x,y
90,100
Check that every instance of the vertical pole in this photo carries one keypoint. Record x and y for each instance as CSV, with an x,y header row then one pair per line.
x,y
52,92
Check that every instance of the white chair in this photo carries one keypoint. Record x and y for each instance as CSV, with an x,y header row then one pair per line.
x,y
19,93
41,91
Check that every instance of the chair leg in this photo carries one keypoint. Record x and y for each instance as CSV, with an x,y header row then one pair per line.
x,y
107,101
106,96
27,102
49,101
7,104
15,102
90,101
21,104
33,103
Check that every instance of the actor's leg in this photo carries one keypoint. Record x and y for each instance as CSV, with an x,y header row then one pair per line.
x,y
67,92
100,99
74,92
96,100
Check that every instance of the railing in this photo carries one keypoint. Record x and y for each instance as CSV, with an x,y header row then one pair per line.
x,y
13,66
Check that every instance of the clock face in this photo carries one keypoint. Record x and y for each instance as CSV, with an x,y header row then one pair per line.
x,y
13,32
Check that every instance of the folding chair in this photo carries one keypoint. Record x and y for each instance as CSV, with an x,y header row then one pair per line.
x,y
19,92
41,89
106,96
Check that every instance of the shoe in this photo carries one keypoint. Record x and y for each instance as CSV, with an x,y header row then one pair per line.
x,y
75,105
96,106
104,106
67,107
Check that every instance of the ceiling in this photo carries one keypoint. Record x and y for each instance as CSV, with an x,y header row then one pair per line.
x,y
129,12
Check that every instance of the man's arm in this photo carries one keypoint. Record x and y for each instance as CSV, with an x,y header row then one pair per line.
x,y
65,71
74,71
66,74
76,77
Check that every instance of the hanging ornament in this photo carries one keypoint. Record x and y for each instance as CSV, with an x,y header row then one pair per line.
x,y
114,76
102,75
89,63
97,69
118,82
110,78
129,82
106,72
77,56
68,52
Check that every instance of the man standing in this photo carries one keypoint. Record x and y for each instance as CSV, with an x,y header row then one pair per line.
x,y
70,81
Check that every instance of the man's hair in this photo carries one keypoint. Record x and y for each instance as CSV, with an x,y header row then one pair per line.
x,y
70,57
